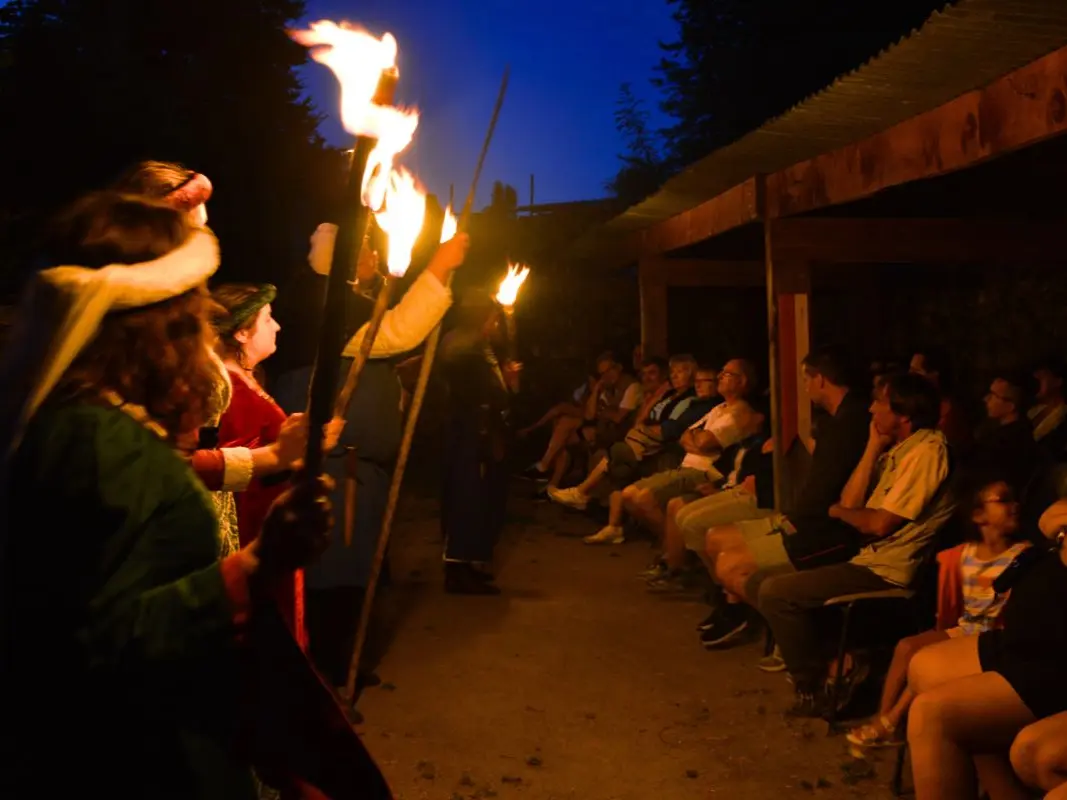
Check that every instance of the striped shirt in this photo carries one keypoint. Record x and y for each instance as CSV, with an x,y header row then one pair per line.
x,y
981,604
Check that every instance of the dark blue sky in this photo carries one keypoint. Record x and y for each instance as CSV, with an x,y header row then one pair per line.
x,y
567,59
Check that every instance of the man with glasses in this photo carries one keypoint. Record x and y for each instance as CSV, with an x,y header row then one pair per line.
x,y
1005,441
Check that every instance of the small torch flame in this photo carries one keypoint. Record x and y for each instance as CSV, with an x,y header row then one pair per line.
x,y
510,285
448,230
401,219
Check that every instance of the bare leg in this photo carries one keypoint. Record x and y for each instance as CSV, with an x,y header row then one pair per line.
x,y
648,511
1039,754
562,430
948,724
673,541
615,510
942,662
559,468
594,476
895,694
997,777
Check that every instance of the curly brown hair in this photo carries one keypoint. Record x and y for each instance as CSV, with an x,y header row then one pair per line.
x,y
158,356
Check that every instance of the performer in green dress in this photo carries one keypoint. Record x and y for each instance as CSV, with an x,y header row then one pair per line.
x,y
123,636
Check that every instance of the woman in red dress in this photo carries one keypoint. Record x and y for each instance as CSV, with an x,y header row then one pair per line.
x,y
247,335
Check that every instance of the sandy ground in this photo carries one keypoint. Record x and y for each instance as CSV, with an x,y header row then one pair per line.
x,y
578,683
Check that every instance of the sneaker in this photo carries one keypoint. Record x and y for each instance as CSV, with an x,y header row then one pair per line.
x,y
535,473
729,623
668,582
657,569
772,663
609,534
709,621
572,498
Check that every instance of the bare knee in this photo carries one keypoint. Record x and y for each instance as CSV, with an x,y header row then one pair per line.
x,y
926,719
907,648
644,499
717,540
629,496
1024,754
922,671
674,505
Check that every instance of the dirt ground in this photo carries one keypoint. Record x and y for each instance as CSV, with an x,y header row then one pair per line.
x,y
578,683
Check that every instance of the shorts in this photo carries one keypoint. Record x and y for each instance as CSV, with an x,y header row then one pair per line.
x,y
672,483
725,508
764,538
1038,680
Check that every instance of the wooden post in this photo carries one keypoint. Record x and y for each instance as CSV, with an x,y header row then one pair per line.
x,y
652,286
788,288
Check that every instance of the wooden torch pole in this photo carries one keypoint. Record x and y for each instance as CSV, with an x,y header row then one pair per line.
x,y
409,426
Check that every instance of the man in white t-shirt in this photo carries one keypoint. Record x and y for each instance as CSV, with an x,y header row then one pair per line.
x,y
646,499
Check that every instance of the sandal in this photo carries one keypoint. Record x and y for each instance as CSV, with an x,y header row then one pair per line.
x,y
881,733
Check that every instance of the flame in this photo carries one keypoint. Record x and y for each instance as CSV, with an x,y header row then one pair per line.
x,y
358,59
510,285
401,219
395,128
448,230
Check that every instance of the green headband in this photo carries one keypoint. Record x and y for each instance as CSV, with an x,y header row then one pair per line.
x,y
237,318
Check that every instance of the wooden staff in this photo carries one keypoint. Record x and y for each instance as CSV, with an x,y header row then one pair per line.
x,y
412,420
350,233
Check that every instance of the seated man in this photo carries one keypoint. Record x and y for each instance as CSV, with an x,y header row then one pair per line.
x,y
609,405
646,499
747,493
907,464
739,555
668,404
1050,411
1005,441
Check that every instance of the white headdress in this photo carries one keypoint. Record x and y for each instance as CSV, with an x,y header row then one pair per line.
x,y
61,312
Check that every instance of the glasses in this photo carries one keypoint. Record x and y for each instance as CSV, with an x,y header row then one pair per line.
x,y
727,374
1005,500
706,380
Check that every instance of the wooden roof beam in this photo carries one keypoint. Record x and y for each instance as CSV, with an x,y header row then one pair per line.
x,y
697,272
1022,108
731,209
856,240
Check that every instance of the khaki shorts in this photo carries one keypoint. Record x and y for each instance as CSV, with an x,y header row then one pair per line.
x,y
764,539
672,483
725,508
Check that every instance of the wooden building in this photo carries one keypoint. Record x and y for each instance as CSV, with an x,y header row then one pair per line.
x,y
945,149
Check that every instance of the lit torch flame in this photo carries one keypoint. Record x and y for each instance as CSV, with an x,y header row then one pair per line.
x,y
358,59
401,219
510,285
448,230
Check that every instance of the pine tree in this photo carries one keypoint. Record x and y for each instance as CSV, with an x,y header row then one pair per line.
x,y
642,169
91,86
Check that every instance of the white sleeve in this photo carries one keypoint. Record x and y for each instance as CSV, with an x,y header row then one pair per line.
x,y
631,398
724,428
410,322
237,468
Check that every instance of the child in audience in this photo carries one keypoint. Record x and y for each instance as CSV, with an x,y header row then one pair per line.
x,y
967,602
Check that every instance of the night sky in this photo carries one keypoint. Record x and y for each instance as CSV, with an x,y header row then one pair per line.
x,y
567,59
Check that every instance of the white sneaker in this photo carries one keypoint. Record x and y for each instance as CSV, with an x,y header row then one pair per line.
x,y
609,534
572,498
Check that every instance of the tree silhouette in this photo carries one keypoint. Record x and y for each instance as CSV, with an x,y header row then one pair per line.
x,y
90,86
642,169
738,63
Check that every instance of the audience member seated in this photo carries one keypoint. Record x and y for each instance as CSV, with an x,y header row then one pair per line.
x,y
1005,441
612,400
1039,756
952,421
1050,411
742,554
967,603
976,694
907,464
747,493
574,409
670,414
646,499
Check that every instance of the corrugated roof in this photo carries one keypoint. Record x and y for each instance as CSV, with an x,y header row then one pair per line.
x,y
963,47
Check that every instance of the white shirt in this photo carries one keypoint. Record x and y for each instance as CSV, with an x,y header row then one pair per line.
x,y
719,422
405,326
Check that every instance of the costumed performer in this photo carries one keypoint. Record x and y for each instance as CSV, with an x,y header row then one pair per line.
x,y
337,582
477,438
123,635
